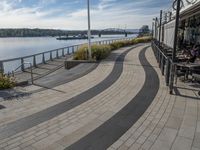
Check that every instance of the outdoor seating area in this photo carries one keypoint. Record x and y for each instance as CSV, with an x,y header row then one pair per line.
x,y
186,65
178,44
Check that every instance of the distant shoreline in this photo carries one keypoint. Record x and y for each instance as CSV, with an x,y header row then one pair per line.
x,y
11,33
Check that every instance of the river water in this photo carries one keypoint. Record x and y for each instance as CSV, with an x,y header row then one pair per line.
x,y
19,47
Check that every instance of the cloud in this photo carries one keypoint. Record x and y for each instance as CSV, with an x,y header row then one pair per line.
x,y
73,14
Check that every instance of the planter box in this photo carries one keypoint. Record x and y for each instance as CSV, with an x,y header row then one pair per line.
x,y
73,63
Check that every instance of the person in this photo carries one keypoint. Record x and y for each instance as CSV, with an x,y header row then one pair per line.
x,y
194,53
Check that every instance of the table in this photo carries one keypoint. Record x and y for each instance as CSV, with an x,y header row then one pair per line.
x,y
183,58
187,67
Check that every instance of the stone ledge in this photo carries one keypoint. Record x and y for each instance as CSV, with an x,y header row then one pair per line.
x,y
73,63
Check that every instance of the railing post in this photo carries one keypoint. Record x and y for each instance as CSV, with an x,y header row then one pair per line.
x,y
167,75
43,58
22,64
68,51
34,61
63,52
78,46
73,49
157,55
51,56
160,60
31,73
163,66
172,73
57,55
1,67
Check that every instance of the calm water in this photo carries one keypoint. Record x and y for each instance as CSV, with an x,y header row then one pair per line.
x,y
19,47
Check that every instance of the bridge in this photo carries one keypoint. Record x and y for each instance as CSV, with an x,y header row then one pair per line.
x,y
109,31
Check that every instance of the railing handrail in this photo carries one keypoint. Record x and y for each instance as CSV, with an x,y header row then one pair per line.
x,y
24,63
166,57
24,57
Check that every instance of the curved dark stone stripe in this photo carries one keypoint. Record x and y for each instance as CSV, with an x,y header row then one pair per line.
x,y
60,81
109,132
51,112
50,84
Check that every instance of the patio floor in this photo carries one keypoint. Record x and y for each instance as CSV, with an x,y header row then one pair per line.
x,y
123,103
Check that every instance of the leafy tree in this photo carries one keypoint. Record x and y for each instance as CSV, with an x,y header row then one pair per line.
x,y
144,30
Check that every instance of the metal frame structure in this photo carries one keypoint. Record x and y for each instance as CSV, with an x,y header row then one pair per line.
x,y
89,31
166,63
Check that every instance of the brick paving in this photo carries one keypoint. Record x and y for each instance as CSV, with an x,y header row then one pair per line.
x,y
170,122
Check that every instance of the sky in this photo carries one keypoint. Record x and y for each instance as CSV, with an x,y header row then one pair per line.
x,y
72,14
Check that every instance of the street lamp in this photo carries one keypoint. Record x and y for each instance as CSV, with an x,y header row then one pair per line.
x,y
89,31
156,24
178,7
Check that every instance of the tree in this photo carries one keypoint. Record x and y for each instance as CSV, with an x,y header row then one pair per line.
x,y
144,30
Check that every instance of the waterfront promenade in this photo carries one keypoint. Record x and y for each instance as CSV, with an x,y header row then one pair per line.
x,y
123,103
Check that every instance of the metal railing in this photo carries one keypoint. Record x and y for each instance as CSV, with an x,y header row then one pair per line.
x,y
43,57
166,65
31,68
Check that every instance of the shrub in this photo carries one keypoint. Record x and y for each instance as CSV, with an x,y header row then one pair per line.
x,y
6,82
141,40
120,44
81,53
98,52
102,51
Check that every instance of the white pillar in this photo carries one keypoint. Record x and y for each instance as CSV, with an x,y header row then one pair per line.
x,y
89,31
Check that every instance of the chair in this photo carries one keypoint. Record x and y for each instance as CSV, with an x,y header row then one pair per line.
x,y
180,71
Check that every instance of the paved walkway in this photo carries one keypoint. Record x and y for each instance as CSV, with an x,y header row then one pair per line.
x,y
41,70
122,104
49,81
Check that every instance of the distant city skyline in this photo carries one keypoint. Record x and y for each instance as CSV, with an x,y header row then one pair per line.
x,y
72,14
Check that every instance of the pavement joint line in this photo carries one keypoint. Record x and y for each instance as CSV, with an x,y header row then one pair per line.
x,y
51,112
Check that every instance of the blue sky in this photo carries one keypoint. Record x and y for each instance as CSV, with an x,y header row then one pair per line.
x,y
72,14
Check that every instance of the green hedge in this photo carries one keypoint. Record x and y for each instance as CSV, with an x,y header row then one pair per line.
x,y
6,82
102,51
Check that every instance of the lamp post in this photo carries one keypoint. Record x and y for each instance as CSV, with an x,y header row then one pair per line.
x,y
160,27
155,29
152,30
176,29
89,31
175,44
